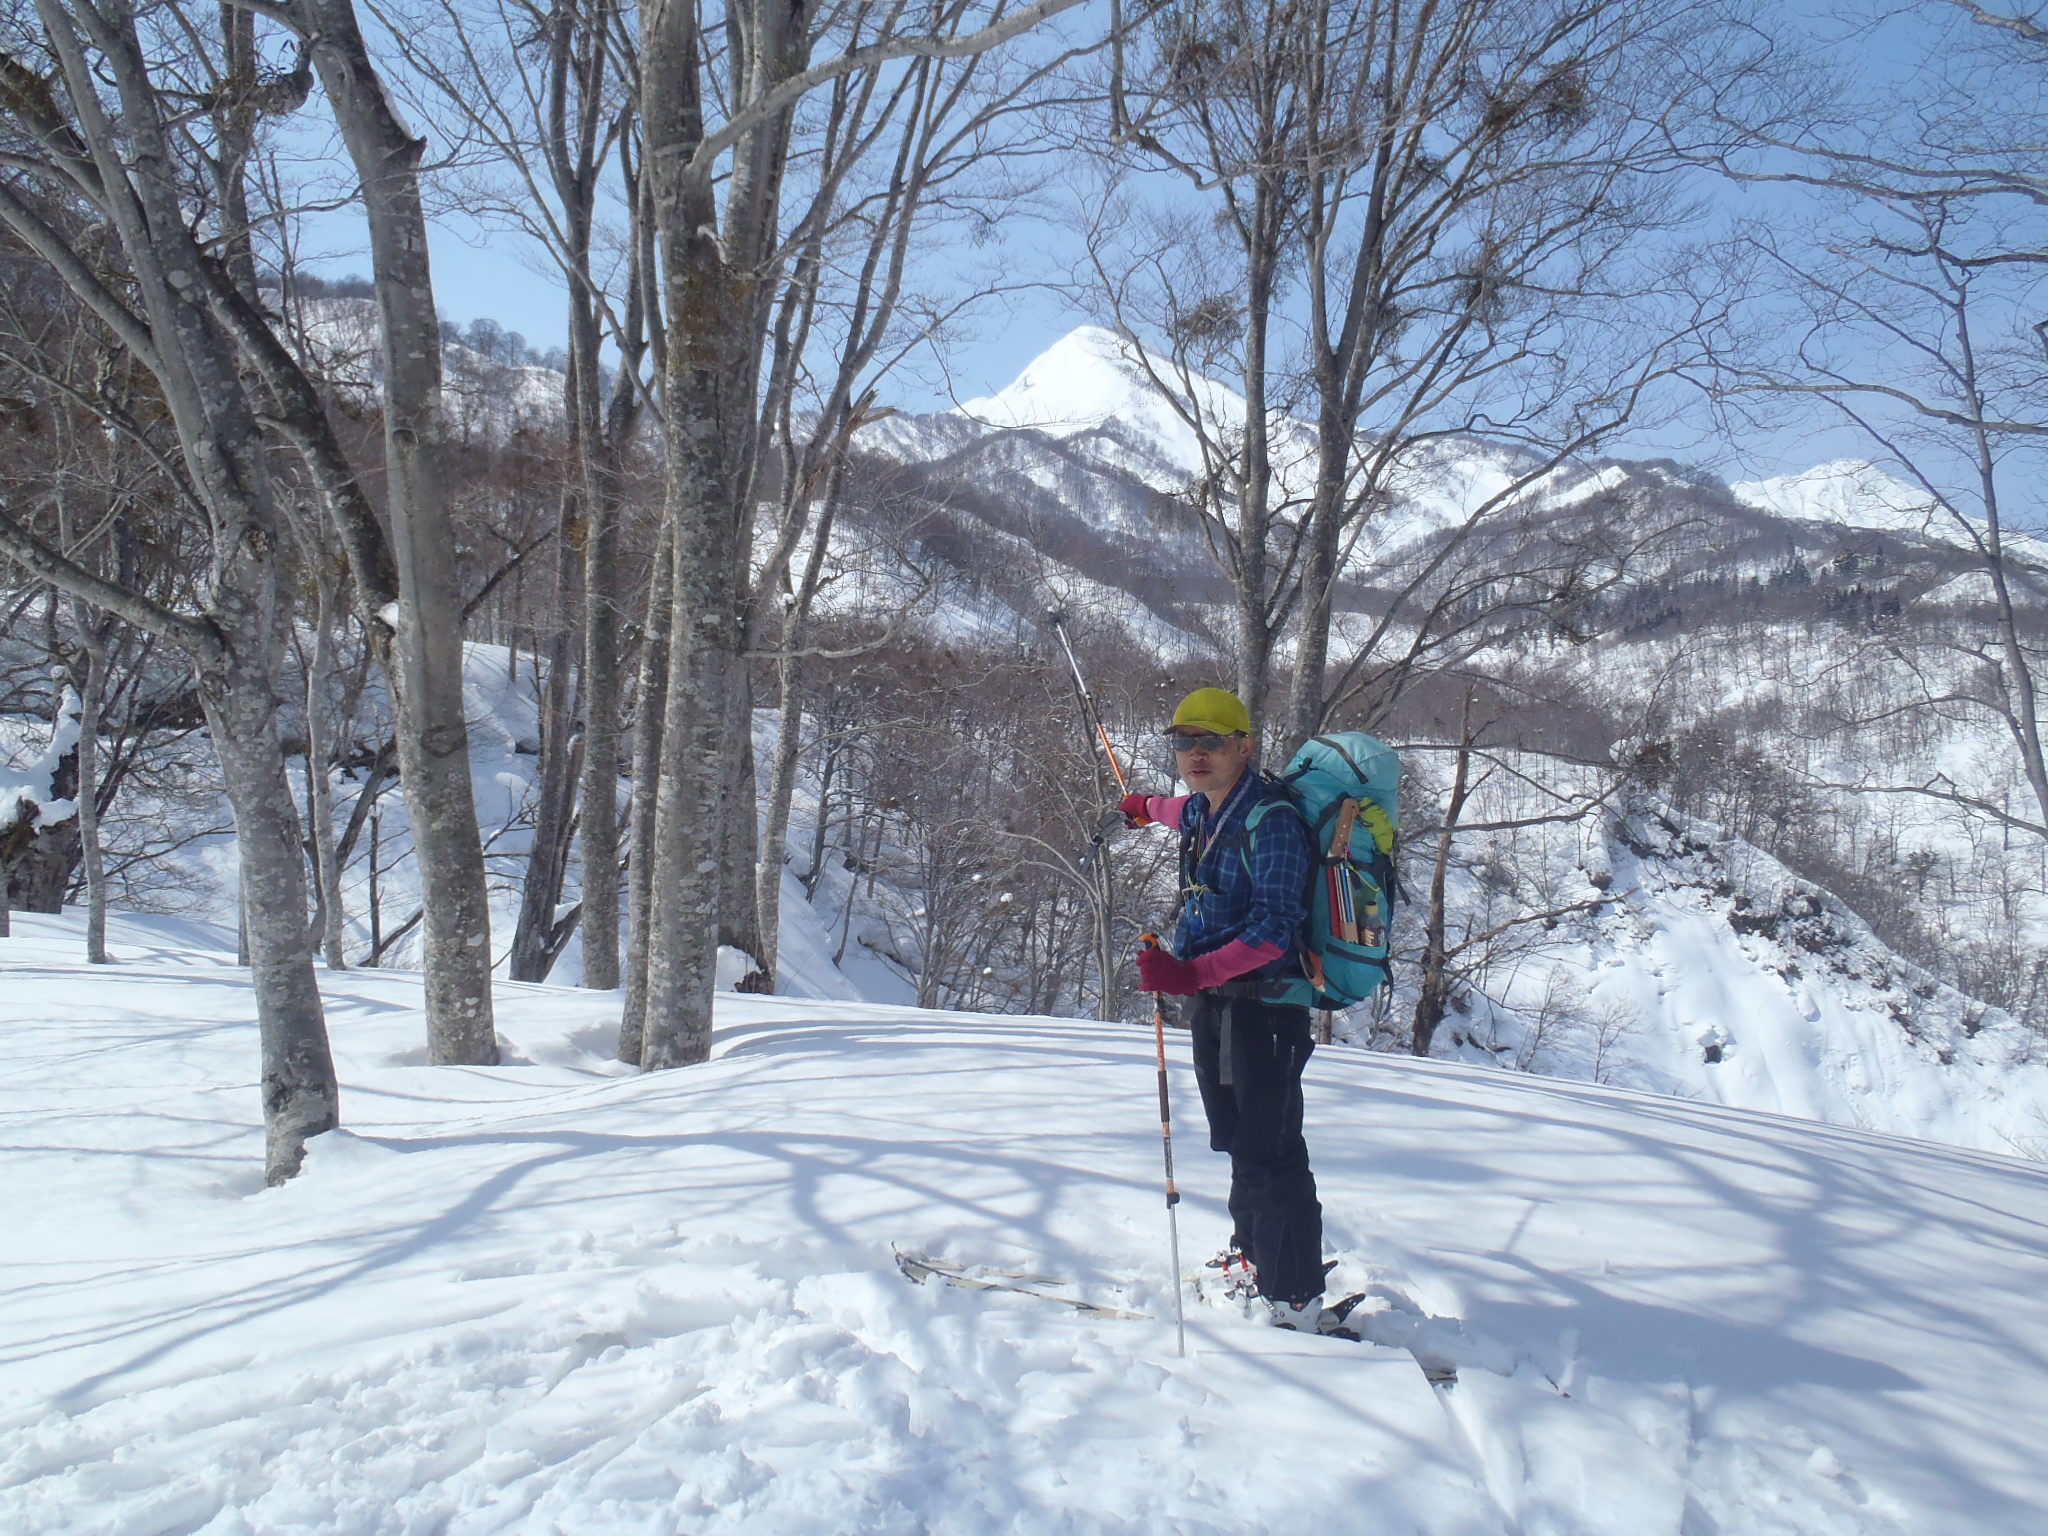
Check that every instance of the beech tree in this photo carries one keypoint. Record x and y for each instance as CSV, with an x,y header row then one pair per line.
x,y
424,653
70,143
1430,226
719,98
938,131
547,89
96,128
100,114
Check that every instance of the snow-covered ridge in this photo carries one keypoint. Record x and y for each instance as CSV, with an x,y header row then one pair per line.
x,y
1095,382
1849,493
1129,410
1854,493
1092,377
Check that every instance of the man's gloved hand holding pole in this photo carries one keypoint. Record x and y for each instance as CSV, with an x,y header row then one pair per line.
x,y
1160,970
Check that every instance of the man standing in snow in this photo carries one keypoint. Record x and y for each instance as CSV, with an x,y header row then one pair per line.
x,y
1244,897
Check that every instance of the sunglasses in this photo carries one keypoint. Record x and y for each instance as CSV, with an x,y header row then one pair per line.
x,y
1205,741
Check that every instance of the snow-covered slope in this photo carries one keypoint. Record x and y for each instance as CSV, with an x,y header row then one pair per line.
x,y
1849,493
485,397
1092,378
555,1297
1713,973
1856,494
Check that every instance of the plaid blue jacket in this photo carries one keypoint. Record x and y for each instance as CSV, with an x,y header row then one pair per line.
x,y
1222,899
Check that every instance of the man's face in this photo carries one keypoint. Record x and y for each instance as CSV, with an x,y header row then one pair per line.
x,y
1210,763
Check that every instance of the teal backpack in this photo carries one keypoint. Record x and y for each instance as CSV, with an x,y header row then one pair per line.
x,y
1346,787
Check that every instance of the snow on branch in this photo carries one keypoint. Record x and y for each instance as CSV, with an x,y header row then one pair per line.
x,y
29,792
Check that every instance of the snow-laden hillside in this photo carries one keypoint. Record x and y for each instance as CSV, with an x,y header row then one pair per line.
x,y
484,397
553,1296
1126,410
1712,973
1854,493
1849,493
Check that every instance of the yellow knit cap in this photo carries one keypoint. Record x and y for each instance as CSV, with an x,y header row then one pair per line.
x,y
1214,709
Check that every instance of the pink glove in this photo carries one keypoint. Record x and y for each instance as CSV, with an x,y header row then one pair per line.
x,y
1160,971
1150,810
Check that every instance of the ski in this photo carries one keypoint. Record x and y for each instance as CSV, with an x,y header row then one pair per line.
x,y
920,1267
1333,1323
1336,1323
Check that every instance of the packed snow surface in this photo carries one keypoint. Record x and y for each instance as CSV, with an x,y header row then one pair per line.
x,y
559,1296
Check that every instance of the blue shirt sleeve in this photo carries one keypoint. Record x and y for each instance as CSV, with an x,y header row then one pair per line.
x,y
1280,868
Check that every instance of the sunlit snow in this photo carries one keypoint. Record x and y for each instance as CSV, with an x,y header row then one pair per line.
x,y
557,1296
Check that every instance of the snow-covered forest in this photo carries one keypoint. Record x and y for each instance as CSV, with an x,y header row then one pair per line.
x,y
617,822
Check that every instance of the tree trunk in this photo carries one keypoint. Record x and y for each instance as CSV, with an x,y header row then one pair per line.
x,y
333,915
652,713
606,439
1102,902
781,792
300,1096
711,293
601,702
89,677
547,864
1255,490
433,737
1433,999
740,869
689,829
92,687
821,831
1319,577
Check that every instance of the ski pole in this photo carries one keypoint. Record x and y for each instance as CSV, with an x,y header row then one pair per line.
x,y
1180,1321
1058,621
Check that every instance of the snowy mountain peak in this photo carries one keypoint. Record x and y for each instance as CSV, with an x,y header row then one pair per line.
x,y
1850,493
1092,377
1084,379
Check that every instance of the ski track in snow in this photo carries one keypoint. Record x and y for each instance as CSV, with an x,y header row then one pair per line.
x,y
558,1296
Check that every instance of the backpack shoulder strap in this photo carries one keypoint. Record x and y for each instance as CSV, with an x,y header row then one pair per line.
x,y
1278,797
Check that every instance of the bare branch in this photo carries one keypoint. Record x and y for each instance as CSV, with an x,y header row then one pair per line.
x,y
196,637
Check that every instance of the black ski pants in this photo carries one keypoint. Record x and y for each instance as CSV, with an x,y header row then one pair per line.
x,y
1248,1061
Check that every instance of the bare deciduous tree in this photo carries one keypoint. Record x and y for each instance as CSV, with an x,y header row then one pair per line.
x,y
96,128
1448,207
1908,308
718,297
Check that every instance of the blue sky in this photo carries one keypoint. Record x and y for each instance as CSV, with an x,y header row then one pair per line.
x,y
483,272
